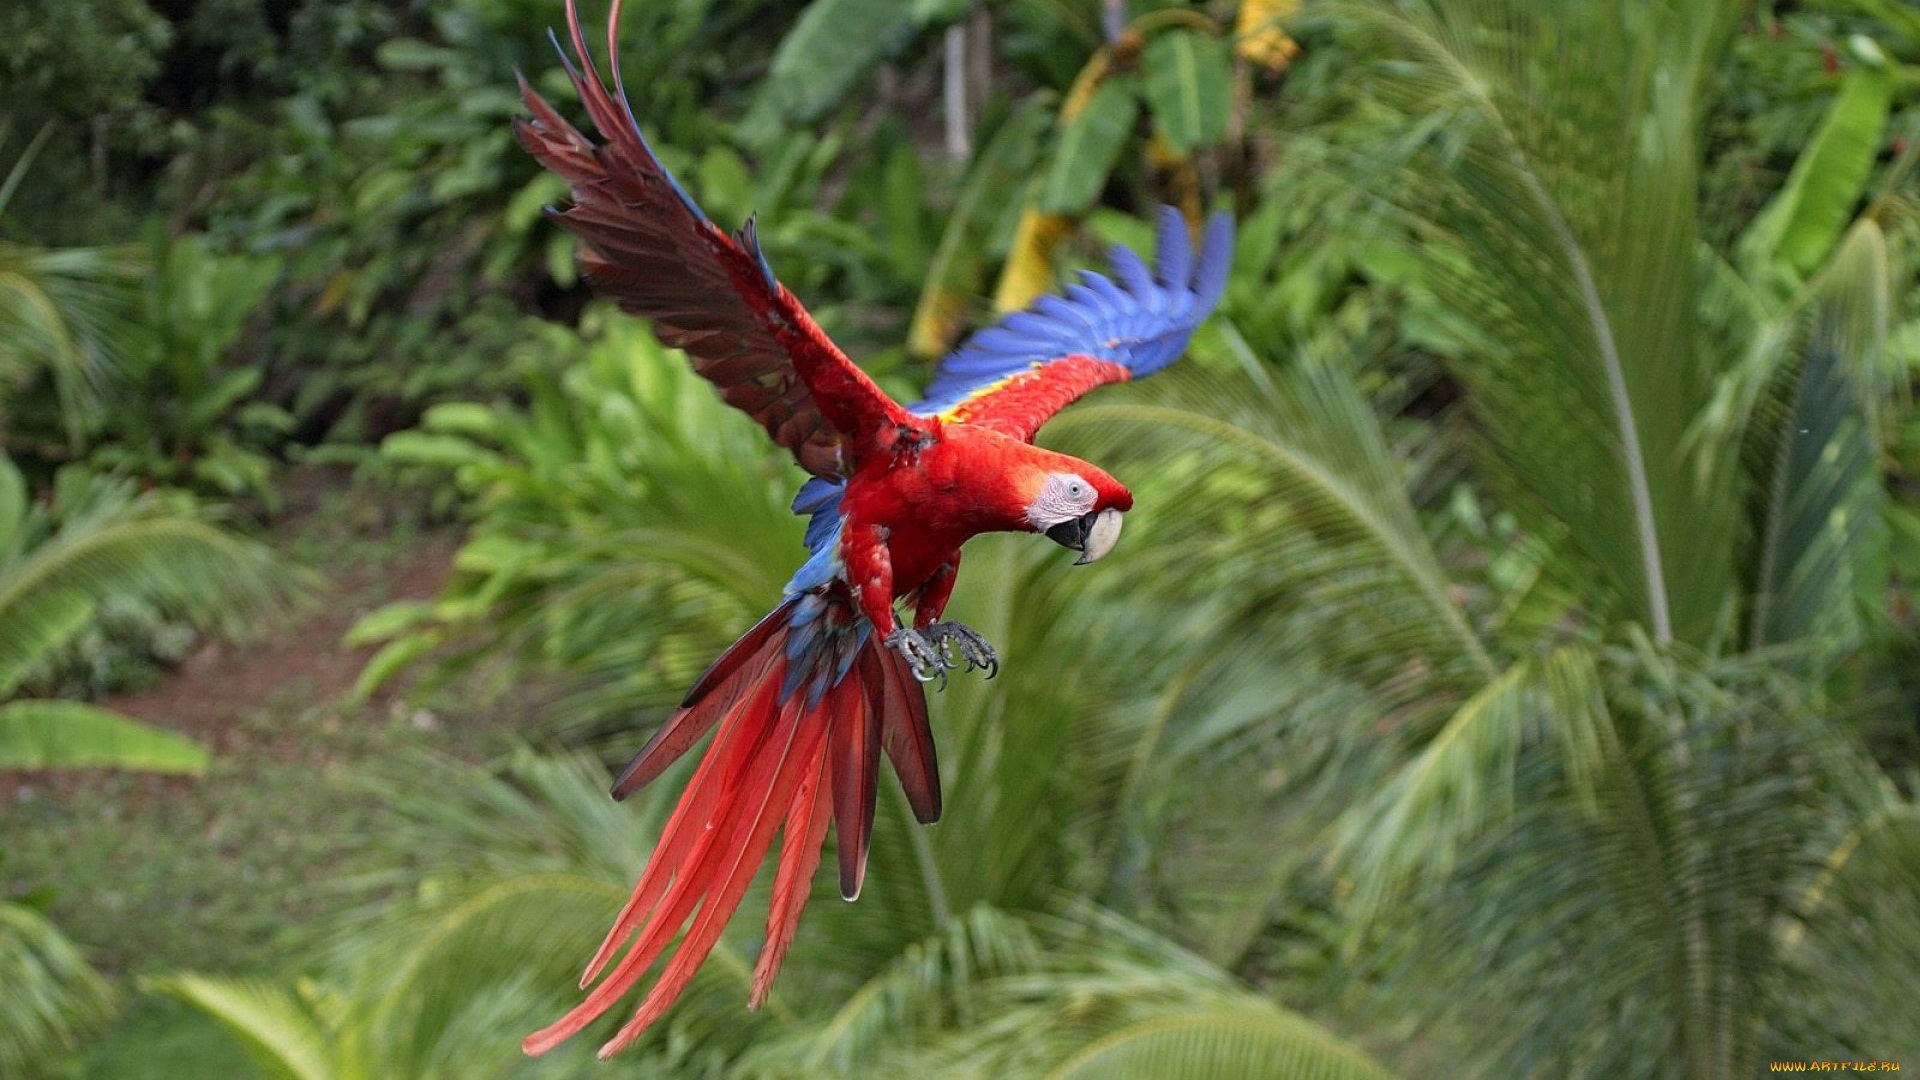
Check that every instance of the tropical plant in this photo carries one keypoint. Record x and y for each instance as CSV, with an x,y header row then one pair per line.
x,y
1625,765
53,996
66,323
562,502
96,542
185,414
1585,642
534,858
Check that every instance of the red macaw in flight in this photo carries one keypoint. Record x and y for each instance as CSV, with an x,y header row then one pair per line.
x,y
808,700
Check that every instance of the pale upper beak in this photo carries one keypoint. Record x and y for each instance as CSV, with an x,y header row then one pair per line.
x,y
1092,535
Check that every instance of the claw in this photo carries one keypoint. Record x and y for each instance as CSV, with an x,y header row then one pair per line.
x,y
957,642
924,659
932,652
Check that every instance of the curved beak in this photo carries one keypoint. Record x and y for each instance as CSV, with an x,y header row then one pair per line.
x,y
1092,535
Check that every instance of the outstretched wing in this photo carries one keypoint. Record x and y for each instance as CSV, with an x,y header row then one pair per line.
x,y
1013,376
650,249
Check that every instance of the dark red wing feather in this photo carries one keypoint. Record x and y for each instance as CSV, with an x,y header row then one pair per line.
x,y
649,248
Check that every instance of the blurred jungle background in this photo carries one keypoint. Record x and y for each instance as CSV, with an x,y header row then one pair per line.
x,y
1511,669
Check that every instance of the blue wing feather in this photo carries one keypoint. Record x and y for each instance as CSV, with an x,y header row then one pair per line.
x,y
1138,318
1173,253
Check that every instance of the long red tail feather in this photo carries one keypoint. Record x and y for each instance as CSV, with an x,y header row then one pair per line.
x,y
737,669
780,760
793,881
901,704
855,766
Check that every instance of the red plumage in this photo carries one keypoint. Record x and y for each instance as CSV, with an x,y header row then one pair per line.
x,y
778,761
804,705
1017,407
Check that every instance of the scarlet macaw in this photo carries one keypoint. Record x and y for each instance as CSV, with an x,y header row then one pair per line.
x,y
806,701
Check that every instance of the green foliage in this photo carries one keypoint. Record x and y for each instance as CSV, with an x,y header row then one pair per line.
x,y
66,322
1501,665
1225,1043
1188,84
1089,146
77,73
53,997
531,862
190,416
1624,802
69,62
978,222
1805,219
1579,242
832,46
95,543
1577,643
270,1023
69,734
563,503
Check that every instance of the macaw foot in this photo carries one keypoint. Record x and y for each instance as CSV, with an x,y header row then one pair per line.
x,y
941,647
922,657
958,641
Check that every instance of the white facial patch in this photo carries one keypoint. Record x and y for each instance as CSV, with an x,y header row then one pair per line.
x,y
1064,497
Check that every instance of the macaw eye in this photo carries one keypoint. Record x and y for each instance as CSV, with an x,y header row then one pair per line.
x,y
1076,489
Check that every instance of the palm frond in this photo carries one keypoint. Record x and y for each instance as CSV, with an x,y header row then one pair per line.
x,y
1226,1043
52,999
923,988
68,313
71,734
100,540
1286,484
1649,889
1462,784
279,1030
1554,148
1819,491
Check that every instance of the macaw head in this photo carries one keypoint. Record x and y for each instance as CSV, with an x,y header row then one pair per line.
x,y
1076,504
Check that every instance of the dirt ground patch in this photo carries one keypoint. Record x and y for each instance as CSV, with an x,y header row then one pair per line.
x,y
218,872
220,683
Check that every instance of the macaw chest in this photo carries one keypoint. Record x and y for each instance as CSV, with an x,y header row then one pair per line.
x,y
939,491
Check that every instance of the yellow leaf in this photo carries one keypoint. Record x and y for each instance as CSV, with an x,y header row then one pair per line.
x,y
1029,269
1262,41
1084,84
936,323
334,293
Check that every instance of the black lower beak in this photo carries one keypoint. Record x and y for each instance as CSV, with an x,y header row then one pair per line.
x,y
1072,534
